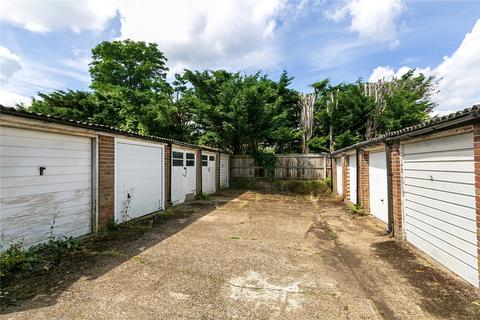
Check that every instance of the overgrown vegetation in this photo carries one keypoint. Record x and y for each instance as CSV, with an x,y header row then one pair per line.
x,y
306,187
246,114
16,259
355,209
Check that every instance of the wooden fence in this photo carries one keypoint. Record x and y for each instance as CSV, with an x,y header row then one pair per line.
x,y
289,166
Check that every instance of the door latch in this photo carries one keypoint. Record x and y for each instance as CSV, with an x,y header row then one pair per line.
x,y
42,170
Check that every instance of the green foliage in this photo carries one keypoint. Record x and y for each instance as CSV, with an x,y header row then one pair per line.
x,y
355,209
17,260
267,159
245,183
202,196
306,187
242,113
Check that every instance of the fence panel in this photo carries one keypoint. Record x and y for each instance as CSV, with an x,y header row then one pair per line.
x,y
289,166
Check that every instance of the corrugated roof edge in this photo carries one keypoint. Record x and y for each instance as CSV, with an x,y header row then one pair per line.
x,y
435,123
96,127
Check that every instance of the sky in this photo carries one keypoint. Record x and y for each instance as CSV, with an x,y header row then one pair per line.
x,y
46,45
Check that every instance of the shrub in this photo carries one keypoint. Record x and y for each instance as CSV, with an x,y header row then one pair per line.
x,y
16,259
315,187
202,196
244,183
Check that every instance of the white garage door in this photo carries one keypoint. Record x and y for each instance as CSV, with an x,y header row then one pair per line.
x,y
439,188
184,176
208,172
377,179
352,171
46,186
224,170
138,179
339,162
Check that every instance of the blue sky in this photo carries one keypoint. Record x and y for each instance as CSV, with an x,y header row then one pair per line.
x,y
45,45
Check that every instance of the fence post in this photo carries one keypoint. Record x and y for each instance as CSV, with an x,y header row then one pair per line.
x,y
324,166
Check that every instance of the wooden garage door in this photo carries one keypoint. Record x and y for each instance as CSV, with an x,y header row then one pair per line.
x,y
224,170
46,186
138,179
439,189
208,172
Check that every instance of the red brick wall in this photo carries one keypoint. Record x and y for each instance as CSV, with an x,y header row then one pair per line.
x,y
168,167
106,180
346,179
364,185
476,152
396,189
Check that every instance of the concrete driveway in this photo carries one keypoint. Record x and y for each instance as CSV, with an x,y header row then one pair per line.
x,y
248,255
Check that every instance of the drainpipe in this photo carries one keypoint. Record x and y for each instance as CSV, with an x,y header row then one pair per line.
x,y
389,189
359,202
169,200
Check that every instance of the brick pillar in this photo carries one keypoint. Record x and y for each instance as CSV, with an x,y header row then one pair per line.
x,y
106,180
346,179
396,189
476,152
364,184
168,167
334,175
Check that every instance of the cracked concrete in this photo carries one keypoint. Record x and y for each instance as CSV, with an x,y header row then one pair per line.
x,y
242,255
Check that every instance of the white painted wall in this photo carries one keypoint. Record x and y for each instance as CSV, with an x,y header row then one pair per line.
x,y
208,172
224,170
377,172
184,177
352,170
439,202
339,163
34,207
139,179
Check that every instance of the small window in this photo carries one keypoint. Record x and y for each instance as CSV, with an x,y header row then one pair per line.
x,y
212,158
190,156
190,163
205,163
204,158
177,163
177,155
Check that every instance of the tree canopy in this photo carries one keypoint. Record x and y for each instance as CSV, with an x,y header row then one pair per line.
x,y
239,112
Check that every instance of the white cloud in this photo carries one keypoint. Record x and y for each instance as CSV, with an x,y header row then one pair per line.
x,y
458,74
10,99
44,16
373,20
9,64
206,34
388,74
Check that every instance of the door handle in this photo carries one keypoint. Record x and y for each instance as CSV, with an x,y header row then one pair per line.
x,y
186,171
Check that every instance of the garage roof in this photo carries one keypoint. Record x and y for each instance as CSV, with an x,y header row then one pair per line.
x,y
95,126
434,124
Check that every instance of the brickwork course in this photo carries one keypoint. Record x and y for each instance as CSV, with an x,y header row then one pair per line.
x,y
106,180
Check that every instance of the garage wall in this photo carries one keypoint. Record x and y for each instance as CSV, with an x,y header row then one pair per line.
x,y
352,177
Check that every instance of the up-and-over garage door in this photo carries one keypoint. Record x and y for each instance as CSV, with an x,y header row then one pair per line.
x,y
339,170
439,189
352,172
46,186
138,179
